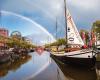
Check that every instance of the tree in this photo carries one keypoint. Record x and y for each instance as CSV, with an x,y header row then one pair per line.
x,y
96,28
59,42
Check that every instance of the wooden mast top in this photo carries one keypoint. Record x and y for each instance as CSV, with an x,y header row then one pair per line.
x,y
65,12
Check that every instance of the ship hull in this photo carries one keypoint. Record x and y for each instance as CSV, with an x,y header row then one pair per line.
x,y
82,59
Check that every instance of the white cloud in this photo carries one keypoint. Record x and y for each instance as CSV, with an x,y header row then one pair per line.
x,y
38,33
44,10
84,12
85,4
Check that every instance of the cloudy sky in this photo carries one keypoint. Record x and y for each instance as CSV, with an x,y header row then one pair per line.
x,y
45,12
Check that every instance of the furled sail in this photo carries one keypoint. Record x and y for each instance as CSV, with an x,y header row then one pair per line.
x,y
73,35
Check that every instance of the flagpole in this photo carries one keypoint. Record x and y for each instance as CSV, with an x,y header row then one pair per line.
x,y
65,11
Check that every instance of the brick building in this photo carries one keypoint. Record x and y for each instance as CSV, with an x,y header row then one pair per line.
x,y
3,32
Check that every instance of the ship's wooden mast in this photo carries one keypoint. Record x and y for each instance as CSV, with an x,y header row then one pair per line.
x,y
65,12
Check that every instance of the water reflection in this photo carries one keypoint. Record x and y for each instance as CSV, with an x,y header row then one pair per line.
x,y
13,66
98,70
42,67
40,63
33,66
45,68
78,73
52,72
24,68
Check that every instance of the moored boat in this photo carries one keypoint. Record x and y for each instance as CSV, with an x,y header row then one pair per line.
x,y
74,54
80,57
4,58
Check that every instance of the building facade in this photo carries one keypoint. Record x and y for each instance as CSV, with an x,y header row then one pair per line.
x,y
3,33
27,40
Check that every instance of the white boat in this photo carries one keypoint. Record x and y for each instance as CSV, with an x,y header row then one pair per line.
x,y
81,56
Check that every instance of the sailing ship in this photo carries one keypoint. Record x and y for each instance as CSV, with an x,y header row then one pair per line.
x,y
73,53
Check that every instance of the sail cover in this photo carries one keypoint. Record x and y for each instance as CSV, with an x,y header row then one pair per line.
x,y
72,32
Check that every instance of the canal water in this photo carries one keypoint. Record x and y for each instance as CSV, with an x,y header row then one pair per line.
x,y
36,66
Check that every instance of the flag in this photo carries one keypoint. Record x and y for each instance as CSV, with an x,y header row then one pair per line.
x,y
83,36
93,37
89,35
90,43
89,38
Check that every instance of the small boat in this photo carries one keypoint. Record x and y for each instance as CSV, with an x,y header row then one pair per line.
x,y
4,58
31,50
74,54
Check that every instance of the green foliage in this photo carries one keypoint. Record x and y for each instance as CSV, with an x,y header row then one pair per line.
x,y
13,42
96,28
59,42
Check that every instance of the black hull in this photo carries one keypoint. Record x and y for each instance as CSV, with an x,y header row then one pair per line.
x,y
85,62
